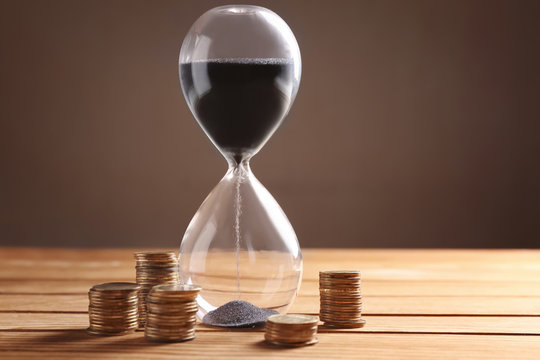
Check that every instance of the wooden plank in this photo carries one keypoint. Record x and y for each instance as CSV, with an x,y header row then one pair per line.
x,y
393,265
249,345
380,256
31,286
67,270
31,254
434,274
410,305
435,288
115,270
379,324
54,321
434,305
311,287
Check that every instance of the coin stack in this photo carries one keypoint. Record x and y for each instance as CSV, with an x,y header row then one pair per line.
x,y
171,313
154,268
113,308
341,299
291,330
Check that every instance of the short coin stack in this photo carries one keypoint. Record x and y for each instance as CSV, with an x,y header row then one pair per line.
x,y
171,313
154,268
341,299
291,330
113,308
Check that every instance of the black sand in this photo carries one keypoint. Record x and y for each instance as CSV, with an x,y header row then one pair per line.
x,y
238,314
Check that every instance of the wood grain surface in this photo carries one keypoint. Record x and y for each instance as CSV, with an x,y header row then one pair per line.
x,y
418,304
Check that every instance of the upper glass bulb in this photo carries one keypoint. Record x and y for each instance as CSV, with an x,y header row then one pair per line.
x,y
240,70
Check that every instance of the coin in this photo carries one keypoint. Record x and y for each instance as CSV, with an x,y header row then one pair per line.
x,y
113,308
340,273
344,324
171,307
171,312
340,298
109,333
176,289
291,330
289,344
292,319
154,268
115,287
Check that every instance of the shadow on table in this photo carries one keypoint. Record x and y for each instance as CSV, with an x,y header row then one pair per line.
x,y
81,341
78,340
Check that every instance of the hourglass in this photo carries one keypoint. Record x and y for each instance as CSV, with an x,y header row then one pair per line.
x,y
240,71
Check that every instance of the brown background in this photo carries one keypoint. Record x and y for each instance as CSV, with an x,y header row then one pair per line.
x,y
416,124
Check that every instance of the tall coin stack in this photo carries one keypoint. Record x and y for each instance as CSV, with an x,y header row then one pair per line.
x,y
171,313
113,308
291,330
154,268
341,299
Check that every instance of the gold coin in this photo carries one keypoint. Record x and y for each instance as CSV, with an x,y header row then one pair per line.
x,y
116,306
154,254
148,271
338,277
351,324
341,294
291,330
102,327
342,287
109,333
157,265
113,314
340,298
176,289
340,314
112,296
112,309
330,317
175,319
339,310
169,334
119,287
172,303
292,333
340,307
170,328
154,338
327,316
339,273
174,313
172,298
112,300
163,325
109,317
289,344
113,327
293,319
341,302
148,283
156,275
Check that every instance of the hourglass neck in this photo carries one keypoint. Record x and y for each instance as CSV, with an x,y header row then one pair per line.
x,y
239,165
238,160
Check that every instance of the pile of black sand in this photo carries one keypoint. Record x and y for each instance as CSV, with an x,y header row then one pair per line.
x,y
238,314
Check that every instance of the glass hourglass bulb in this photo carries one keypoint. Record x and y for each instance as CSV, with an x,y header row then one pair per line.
x,y
240,71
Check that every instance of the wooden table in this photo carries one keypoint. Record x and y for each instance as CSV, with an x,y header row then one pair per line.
x,y
458,304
